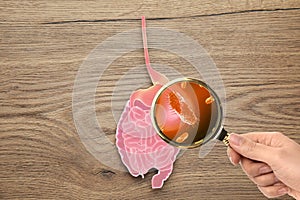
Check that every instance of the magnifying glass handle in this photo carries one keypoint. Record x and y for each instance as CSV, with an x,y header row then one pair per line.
x,y
224,137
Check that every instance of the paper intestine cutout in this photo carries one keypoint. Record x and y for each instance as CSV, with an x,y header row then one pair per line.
x,y
139,146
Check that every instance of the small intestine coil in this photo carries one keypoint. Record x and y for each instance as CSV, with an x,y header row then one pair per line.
x,y
139,146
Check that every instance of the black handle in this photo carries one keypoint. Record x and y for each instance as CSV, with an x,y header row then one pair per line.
x,y
224,137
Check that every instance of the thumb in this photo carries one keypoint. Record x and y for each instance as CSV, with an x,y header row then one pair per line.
x,y
294,193
250,149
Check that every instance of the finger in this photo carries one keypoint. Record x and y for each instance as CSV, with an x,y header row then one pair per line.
x,y
293,193
250,149
253,169
273,191
273,139
265,180
261,137
233,156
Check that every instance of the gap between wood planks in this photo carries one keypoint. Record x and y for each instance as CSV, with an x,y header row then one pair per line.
x,y
173,18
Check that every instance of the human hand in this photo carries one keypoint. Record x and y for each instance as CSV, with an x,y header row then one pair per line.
x,y
271,160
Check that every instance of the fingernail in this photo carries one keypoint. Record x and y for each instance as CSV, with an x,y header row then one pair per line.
x,y
282,191
264,170
231,161
235,139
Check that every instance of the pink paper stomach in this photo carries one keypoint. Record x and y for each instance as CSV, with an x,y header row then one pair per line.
x,y
140,147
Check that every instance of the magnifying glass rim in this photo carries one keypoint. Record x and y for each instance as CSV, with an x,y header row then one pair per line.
x,y
217,129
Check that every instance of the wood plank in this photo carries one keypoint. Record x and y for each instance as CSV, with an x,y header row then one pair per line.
x,y
55,11
42,157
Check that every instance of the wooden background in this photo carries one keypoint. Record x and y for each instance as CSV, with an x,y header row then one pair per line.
x,y
254,43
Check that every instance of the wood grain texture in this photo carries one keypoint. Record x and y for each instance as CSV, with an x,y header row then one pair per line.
x,y
255,45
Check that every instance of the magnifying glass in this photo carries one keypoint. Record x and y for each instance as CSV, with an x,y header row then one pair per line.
x,y
187,113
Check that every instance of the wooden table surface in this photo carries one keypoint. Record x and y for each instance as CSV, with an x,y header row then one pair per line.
x,y
255,45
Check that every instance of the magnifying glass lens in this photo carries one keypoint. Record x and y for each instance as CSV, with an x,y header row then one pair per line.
x,y
185,112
